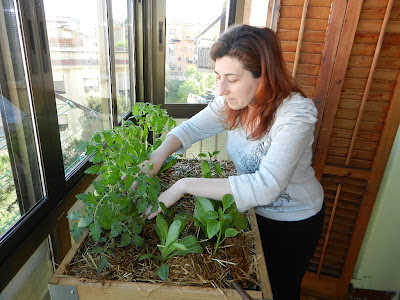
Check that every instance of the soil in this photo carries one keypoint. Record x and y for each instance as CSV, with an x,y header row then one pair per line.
x,y
236,256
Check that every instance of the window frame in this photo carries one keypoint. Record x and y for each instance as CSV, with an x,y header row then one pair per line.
x,y
21,240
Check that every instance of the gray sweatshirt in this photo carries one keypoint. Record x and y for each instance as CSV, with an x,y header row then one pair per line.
x,y
275,176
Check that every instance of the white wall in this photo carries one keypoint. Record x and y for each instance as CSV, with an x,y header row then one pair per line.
x,y
378,264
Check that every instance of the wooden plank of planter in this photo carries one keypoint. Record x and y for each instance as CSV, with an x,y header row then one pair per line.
x,y
111,289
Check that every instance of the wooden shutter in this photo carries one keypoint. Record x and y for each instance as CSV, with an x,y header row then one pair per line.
x,y
345,56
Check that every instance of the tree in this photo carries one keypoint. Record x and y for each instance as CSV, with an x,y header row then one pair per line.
x,y
195,82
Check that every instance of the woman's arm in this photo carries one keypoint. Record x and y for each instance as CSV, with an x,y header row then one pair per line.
x,y
214,188
170,145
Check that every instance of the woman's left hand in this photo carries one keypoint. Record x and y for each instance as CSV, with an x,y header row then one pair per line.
x,y
169,197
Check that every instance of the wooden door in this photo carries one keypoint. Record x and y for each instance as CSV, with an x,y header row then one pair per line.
x,y
345,56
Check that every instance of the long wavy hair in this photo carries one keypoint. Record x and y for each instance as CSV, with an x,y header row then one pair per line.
x,y
259,50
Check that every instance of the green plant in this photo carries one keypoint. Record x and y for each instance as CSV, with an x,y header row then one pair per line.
x,y
114,211
208,166
170,246
219,218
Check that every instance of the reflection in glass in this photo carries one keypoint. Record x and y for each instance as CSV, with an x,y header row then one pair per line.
x,y
192,27
79,57
121,52
20,178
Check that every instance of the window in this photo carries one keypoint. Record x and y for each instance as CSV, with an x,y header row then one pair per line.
x,y
20,176
79,50
80,62
123,41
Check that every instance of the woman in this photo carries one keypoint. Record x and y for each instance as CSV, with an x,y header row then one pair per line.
x,y
270,127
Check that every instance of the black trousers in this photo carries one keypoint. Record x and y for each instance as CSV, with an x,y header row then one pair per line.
x,y
288,246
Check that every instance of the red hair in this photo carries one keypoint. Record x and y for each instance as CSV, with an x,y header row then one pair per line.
x,y
259,50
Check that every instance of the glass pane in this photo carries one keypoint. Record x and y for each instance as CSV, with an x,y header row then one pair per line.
x,y
192,27
20,178
121,51
79,57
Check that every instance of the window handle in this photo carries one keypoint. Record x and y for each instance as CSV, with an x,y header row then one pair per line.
x,y
160,36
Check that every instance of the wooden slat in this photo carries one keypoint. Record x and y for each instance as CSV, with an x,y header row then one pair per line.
x,y
364,126
355,163
367,116
339,70
379,3
300,39
378,168
312,48
306,80
378,13
314,3
368,85
305,69
362,145
379,74
375,25
364,136
311,24
372,38
313,12
305,58
369,106
383,62
377,96
346,172
309,36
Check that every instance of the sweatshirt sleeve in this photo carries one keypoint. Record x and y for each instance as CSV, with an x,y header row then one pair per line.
x,y
291,135
206,123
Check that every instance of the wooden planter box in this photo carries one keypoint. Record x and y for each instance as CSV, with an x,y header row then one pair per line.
x,y
66,287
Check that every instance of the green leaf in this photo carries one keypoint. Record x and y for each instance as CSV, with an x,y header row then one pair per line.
x,y
75,215
105,217
95,231
87,198
146,256
218,169
98,157
188,241
116,228
76,232
202,155
96,250
93,169
97,138
108,137
163,271
98,186
183,221
142,205
173,233
168,163
138,241
161,228
137,229
85,221
212,228
103,263
180,246
230,232
240,222
125,240
203,205
227,201
205,169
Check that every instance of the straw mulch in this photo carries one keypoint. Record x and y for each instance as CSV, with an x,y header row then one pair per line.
x,y
235,256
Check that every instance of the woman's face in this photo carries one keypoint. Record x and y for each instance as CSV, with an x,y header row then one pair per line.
x,y
237,85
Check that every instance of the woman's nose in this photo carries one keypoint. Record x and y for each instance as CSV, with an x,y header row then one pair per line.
x,y
222,89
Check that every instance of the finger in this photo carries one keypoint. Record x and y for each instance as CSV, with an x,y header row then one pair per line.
x,y
151,216
123,177
134,185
